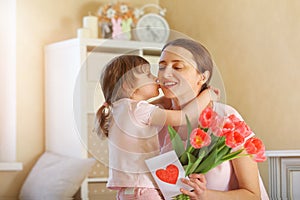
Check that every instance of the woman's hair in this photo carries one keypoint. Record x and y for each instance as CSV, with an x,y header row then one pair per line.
x,y
201,55
117,78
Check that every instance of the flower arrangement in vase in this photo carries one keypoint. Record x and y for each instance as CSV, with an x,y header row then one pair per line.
x,y
116,20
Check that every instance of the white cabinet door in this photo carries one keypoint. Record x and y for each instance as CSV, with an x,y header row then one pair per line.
x,y
295,182
95,65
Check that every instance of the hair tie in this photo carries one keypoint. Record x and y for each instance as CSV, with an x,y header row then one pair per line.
x,y
105,104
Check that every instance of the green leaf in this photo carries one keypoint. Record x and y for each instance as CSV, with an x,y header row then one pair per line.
x,y
224,150
200,151
181,197
220,154
193,167
216,164
228,157
191,161
232,155
184,167
213,142
221,141
196,152
210,163
191,158
207,162
183,159
176,141
205,129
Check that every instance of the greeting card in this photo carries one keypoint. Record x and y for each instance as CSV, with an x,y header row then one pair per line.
x,y
167,172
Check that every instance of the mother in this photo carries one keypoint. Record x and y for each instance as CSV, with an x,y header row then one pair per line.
x,y
185,69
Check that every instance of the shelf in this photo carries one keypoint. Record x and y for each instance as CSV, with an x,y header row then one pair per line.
x,y
110,44
282,153
11,166
97,180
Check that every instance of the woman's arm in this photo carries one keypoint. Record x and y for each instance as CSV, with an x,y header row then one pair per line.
x,y
177,117
246,172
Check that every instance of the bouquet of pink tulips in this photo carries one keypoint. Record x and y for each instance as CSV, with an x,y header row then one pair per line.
x,y
216,140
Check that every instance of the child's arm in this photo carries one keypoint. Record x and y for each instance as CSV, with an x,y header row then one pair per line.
x,y
177,117
162,102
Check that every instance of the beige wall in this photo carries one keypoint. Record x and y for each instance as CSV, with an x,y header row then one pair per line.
x,y
253,42
256,45
39,23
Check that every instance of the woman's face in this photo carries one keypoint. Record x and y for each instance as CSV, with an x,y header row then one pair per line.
x,y
178,75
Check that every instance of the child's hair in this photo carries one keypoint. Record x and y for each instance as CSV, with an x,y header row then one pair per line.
x,y
117,78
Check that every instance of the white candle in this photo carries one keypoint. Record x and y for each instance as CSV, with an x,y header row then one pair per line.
x,y
83,33
91,23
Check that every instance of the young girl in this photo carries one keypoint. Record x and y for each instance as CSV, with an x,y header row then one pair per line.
x,y
132,124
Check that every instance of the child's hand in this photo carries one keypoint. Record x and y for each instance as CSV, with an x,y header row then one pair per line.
x,y
215,93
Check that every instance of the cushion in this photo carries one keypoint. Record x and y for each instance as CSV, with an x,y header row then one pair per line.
x,y
55,177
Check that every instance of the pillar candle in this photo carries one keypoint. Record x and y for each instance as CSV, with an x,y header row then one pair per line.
x,y
83,33
91,23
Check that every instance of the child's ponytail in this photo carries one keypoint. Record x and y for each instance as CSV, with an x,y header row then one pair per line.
x,y
102,120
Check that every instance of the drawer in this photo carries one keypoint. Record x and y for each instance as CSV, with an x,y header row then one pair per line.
x,y
98,191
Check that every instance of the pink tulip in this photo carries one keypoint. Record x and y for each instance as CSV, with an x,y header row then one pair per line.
x,y
260,157
243,128
234,139
199,138
254,145
206,117
217,126
228,126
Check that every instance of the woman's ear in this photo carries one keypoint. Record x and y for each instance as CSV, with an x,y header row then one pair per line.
x,y
204,77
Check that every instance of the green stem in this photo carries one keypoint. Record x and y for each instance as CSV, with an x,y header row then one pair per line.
x,y
181,197
191,149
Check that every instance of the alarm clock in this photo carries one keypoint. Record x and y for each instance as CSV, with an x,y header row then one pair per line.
x,y
153,27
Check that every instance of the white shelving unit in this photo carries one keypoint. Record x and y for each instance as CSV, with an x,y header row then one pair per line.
x,y
284,174
72,70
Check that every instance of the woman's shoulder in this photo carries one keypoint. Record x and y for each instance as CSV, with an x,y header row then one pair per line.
x,y
225,110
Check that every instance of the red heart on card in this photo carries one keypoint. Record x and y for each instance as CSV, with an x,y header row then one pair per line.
x,y
168,175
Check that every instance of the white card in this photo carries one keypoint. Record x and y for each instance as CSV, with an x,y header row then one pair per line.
x,y
167,171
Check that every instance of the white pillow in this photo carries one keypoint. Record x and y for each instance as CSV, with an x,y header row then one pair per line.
x,y
55,177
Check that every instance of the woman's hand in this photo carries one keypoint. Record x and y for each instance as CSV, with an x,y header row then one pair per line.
x,y
198,182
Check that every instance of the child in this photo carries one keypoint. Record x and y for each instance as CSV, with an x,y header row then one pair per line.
x,y
132,124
